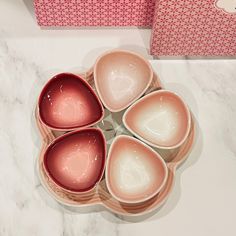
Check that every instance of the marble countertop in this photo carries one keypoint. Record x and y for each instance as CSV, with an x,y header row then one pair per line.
x,y
203,198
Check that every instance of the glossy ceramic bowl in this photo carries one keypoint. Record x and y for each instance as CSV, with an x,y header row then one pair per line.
x,y
134,171
75,161
101,197
68,102
161,119
137,180
121,77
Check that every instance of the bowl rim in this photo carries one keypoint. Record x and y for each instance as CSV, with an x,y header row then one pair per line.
x,y
69,128
56,182
163,163
114,51
167,147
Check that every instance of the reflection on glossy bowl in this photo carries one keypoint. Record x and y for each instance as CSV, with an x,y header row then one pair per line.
x,y
134,172
75,161
121,77
68,102
161,119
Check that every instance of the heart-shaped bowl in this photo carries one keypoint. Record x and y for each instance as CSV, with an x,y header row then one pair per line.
x,y
121,77
75,161
71,163
68,102
134,172
161,119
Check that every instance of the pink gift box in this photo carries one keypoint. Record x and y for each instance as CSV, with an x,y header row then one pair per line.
x,y
94,12
194,28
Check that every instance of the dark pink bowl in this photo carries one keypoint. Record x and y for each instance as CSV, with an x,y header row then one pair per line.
x,y
68,102
75,161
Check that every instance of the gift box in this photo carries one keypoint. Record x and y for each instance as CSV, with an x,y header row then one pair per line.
x,y
94,12
194,28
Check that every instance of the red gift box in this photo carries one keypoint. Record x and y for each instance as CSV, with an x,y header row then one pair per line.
x,y
94,12
194,28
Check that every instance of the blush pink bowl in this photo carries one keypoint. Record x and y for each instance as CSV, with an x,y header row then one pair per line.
x,y
121,77
75,161
161,119
68,102
134,171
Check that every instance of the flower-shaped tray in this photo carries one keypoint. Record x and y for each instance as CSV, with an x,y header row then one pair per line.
x,y
100,195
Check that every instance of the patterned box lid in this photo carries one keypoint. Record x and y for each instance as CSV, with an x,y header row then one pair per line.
x,y
94,12
194,28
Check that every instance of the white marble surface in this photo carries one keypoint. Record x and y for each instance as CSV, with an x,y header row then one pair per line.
x,y
203,201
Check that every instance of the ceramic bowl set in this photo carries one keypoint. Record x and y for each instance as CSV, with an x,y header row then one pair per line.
x,y
136,174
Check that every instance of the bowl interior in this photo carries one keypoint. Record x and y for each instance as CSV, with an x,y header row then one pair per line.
x,y
120,78
160,118
75,161
68,102
134,172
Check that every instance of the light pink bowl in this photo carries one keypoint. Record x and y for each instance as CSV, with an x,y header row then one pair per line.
x,y
134,172
161,119
120,78
75,161
68,102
